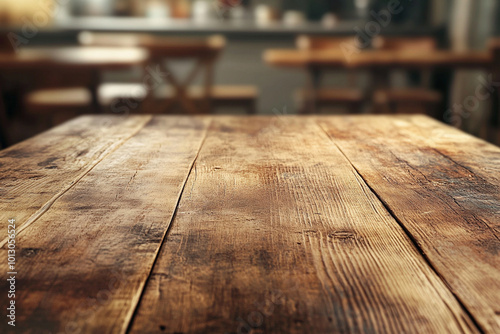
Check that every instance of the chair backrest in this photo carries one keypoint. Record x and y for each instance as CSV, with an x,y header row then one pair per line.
x,y
405,43
304,42
159,46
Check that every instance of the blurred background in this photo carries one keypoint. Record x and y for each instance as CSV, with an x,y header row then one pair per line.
x,y
63,58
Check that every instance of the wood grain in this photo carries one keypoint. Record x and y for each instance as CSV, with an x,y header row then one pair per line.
x,y
84,263
34,173
277,233
444,187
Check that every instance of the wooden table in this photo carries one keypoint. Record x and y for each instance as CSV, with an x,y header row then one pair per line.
x,y
379,62
156,224
439,59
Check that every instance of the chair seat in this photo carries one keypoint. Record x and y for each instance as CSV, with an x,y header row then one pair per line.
x,y
80,98
333,95
49,101
60,98
113,91
410,95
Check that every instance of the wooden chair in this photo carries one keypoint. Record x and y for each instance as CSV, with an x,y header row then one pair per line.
x,y
313,96
68,95
58,96
410,99
182,94
59,105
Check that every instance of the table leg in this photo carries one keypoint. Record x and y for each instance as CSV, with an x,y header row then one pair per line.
x,y
380,80
313,85
3,122
94,91
181,90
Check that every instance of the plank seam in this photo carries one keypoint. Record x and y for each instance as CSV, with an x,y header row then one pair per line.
x,y
137,300
40,212
410,236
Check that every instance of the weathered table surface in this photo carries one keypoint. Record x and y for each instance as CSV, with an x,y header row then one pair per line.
x,y
156,224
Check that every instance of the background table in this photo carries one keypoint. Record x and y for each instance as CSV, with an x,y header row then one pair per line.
x,y
160,224
91,58
378,62
440,59
32,67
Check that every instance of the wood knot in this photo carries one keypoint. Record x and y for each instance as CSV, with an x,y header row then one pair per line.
x,y
29,252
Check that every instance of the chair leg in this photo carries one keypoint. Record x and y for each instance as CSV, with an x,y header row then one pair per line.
x,y
355,108
252,107
303,108
3,123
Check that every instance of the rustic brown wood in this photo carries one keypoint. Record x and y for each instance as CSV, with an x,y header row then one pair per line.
x,y
444,187
276,233
85,260
282,225
33,174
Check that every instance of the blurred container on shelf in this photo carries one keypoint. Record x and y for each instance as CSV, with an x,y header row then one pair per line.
x,y
329,20
362,8
265,15
157,9
203,11
180,9
294,18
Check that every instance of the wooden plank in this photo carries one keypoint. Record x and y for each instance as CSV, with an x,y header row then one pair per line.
x,y
34,173
444,187
84,263
276,233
